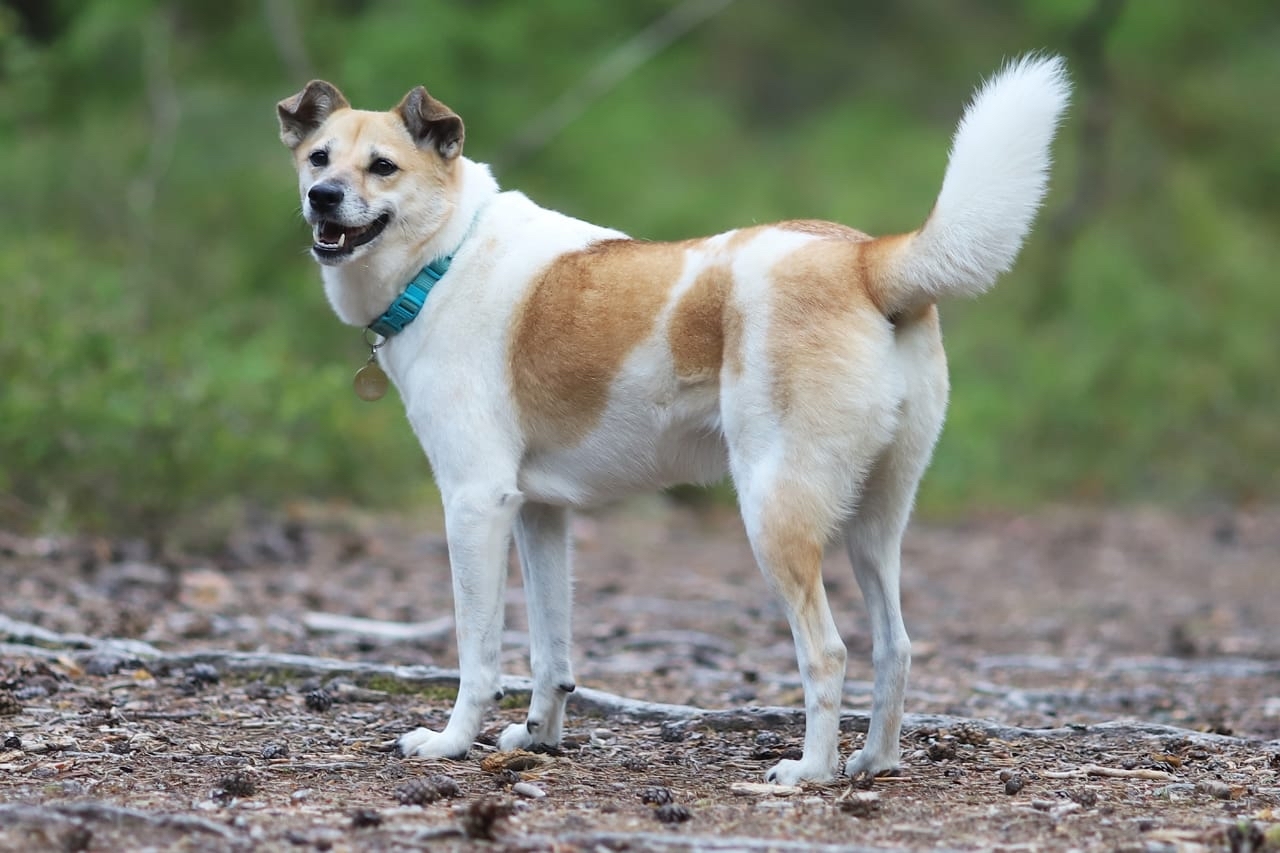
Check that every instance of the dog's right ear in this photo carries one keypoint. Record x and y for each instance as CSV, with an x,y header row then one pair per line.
x,y
307,110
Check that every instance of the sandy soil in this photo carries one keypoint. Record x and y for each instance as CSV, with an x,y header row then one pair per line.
x,y
1139,642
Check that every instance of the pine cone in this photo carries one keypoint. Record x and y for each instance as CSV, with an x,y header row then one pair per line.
x,y
319,700
655,795
419,792
9,704
672,813
237,784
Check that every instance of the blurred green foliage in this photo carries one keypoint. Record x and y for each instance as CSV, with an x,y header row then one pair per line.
x,y
165,346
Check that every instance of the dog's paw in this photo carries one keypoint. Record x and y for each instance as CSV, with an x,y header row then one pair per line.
x,y
869,764
791,772
424,743
515,736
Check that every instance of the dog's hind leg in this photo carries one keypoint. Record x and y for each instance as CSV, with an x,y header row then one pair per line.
x,y
478,523
874,539
543,542
788,519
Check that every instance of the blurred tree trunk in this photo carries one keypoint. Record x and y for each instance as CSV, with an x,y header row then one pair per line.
x,y
1095,86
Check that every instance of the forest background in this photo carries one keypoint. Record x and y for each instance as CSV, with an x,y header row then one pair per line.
x,y
166,351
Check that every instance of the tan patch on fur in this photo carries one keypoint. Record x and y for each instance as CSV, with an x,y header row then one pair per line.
x,y
697,330
583,316
874,263
792,547
824,229
733,328
819,300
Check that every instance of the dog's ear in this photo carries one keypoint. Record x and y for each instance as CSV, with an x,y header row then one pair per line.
x,y
307,110
431,123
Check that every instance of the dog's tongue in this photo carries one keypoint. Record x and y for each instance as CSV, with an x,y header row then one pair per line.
x,y
330,232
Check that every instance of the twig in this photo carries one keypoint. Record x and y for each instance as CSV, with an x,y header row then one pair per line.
x,y
378,629
1120,773
162,715
1111,772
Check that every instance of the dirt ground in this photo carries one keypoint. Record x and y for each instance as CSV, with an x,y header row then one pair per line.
x,y
1083,680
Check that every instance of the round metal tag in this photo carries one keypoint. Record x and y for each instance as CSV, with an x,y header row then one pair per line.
x,y
370,382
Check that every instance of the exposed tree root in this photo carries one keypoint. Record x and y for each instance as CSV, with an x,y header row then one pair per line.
x,y
35,641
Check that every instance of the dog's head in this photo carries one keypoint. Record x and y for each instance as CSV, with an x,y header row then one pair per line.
x,y
371,181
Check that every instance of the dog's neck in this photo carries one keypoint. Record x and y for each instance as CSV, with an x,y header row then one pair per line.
x,y
360,291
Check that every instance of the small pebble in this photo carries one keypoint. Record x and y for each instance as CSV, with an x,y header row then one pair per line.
x,y
1014,784
365,818
204,673
528,789
1084,796
275,749
300,795
12,742
767,739
861,804
1214,788
103,665
672,731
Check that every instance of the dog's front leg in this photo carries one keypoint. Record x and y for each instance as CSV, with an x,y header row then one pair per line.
x,y
542,538
478,527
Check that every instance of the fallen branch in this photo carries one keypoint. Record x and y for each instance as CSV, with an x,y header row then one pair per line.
x,y
1112,772
585,701
27,634
336,623
68,813
653,841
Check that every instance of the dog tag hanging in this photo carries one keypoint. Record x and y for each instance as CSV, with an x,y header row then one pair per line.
x,y
370,382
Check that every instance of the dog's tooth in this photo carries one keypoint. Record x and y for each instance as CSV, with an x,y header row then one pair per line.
x,y
342,239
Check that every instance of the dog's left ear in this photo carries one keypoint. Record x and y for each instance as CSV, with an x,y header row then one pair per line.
x,y
307,110
431,123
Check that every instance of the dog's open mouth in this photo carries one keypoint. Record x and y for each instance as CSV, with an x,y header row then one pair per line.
x,y
333,241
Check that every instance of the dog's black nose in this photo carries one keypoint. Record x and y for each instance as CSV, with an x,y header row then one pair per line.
x,y
325,197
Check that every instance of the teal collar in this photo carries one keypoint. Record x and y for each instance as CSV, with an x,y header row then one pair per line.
x,y
406,306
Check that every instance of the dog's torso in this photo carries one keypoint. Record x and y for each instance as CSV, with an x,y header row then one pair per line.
x,y
608,366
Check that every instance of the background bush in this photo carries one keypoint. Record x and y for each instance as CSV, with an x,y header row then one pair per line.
x,y
165,346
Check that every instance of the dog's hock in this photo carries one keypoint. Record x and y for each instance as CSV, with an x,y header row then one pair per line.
x,y
301,114
431,123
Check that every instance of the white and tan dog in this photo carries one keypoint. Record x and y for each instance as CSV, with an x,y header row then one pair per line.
x,y
558,364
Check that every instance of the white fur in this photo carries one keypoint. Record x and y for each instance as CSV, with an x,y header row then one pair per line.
x,y
859,438
996,178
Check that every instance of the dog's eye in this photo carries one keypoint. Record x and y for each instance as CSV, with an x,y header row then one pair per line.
x,y
319,158
383,166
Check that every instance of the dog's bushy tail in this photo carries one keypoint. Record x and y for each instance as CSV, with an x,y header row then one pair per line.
x,y
995,180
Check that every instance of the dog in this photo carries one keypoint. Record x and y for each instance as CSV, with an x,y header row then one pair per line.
x,y
546,363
